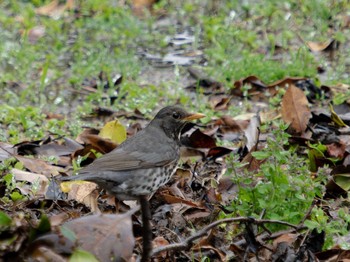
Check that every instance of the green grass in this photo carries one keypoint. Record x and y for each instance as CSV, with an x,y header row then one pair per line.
x,y
266,39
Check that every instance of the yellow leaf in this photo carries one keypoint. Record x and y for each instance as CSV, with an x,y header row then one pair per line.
x,y
114,131
335,118
67,186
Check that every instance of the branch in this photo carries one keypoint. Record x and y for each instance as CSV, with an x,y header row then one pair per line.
x,y
187,242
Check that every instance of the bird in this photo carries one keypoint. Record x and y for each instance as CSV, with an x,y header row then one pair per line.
x,y
143,162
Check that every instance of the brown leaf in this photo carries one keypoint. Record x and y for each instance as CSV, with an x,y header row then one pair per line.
x,y
57,148
105,236
219,102
139,6
253,163
48,146
198,140
58,219
174,200
36,33
333,255
336,150
258,87
195,214
159,242
228,190
31,178
287,81
208,85
54,9
295,110
6,150
252,80
218,151
84,193
39,166
286,238
325,46
92,141
221,256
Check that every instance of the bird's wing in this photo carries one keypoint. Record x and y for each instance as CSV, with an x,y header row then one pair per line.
x,y
137,152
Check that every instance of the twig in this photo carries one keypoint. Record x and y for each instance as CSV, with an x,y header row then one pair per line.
x,y
267,236
188,241
147,229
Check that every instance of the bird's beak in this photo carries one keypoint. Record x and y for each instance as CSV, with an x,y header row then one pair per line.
x,y
193,117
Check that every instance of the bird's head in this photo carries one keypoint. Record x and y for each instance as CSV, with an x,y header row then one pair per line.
x,y
172,120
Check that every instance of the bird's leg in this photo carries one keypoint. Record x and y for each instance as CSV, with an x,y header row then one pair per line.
x,y
147,229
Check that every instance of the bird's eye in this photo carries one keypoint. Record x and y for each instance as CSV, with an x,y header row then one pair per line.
x,y
176,115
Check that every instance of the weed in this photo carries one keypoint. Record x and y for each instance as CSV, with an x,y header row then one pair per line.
x,y
282,187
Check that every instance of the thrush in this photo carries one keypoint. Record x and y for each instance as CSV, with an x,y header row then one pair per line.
x,y
145,161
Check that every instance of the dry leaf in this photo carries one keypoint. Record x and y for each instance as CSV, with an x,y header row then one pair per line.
x,y
105,236
295,109
6,150
54,9
286,238
42,180
39,166
318,47
83,192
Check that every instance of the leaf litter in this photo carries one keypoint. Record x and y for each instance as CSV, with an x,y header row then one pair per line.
x,y
183,210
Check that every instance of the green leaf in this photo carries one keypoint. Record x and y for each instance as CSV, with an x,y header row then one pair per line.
x,y
311,224
15,196
80,255
44,225
8,180
5,220
261,155
342,180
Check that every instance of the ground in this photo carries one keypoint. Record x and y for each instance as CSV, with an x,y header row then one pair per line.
x,y
271,156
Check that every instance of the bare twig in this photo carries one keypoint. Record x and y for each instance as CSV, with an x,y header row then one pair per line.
x,y
186,244
266,236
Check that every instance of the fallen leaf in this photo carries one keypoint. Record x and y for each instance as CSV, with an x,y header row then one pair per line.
x,y
36,33
175,200
295,109
208,85
43,181
54,9
286,238
325,46
252,132
90,137
159,242
335,118
219,102
114,131
83,192
336,150
218,151
39,166
258,87
198,140
139,6
106,236
6,151
56,148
